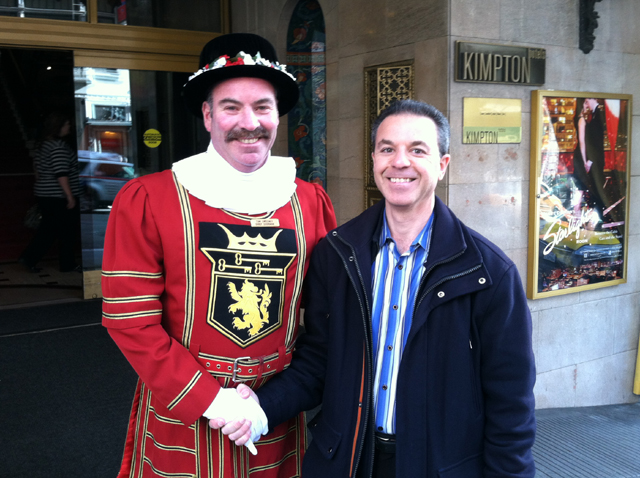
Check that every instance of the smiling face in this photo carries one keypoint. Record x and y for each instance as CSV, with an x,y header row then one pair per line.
x,y
407,164
242,120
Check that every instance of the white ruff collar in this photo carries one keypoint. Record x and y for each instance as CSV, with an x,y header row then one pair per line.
x,y
209,177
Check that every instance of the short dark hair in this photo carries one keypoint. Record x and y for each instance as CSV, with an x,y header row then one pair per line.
x,y
417,108
53,123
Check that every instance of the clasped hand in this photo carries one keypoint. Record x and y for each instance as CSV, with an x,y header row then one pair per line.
x,y
238,413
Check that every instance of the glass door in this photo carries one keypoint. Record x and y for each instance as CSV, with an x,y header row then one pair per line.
x,y
129,123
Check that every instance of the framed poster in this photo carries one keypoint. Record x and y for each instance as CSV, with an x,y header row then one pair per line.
x,y
579,190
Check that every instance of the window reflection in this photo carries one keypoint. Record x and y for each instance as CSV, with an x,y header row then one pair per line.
x,y
195,15
50,9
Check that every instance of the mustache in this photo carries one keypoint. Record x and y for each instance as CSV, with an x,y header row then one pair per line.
x,y
241,133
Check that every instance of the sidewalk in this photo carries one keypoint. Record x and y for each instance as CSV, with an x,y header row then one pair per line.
x,y
589,442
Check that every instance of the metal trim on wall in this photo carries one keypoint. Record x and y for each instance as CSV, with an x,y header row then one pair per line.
x,y
112,46
382,85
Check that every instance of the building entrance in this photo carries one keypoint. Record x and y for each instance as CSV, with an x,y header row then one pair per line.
x,y
124,123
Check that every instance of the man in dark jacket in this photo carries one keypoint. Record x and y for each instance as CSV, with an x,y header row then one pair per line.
x,y
418,342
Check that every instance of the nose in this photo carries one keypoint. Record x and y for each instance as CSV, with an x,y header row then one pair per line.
x,y
401,159
248,119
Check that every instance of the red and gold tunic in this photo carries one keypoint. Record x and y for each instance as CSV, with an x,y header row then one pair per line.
x,y
188,289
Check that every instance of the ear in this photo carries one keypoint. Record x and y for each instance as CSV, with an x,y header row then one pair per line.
x,y
444,163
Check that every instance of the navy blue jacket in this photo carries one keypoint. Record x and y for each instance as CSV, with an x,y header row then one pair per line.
x,y
465,405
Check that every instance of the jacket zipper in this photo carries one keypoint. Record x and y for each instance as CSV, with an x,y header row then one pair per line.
x,y
366,341
441,281
416,305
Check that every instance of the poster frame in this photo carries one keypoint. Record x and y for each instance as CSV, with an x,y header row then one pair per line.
x,y
545,204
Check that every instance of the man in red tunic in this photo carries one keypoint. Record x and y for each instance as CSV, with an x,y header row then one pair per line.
x,y
202,274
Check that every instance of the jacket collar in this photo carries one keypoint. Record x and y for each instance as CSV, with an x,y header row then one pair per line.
x,y
449,239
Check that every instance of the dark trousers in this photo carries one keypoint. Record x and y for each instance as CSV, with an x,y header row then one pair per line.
x,y
58,224
384,458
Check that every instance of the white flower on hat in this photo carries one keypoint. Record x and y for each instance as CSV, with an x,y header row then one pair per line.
x,y
219,63
247,58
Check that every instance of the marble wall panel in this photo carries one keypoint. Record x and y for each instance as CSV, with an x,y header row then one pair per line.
x,y
626,323
615,26
351,148
431,78
607,380
411,21
332,23
556,302
635,138
333,150
575,334
477,20
634,210
546,22
633,264
629,72
519,258
494,210
351,199
363,25
556,388
351,93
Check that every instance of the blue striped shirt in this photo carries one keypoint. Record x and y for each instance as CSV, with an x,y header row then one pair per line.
x,y
396,279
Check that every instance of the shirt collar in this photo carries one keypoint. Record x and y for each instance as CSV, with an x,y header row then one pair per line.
x,y
422,239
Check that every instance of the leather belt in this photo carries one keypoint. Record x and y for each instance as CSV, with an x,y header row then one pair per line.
x,y
242,369
385,443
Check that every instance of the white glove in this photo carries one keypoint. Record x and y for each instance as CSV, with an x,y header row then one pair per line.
x,y
229,406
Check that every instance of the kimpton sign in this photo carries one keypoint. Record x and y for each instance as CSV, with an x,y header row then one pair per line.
x,y
489,63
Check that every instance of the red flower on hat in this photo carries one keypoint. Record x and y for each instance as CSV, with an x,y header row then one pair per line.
x,y
237,61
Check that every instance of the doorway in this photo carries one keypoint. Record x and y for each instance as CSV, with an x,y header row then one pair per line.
x,y
125,123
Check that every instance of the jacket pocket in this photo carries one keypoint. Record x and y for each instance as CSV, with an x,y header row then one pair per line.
x,y
470,467
325,439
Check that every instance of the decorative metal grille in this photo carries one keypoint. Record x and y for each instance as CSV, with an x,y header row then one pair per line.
x,y
383,84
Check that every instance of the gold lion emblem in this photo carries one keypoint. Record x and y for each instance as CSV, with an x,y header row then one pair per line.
x,y
253,303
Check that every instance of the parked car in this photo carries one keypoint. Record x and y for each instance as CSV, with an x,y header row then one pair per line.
x,y
102,175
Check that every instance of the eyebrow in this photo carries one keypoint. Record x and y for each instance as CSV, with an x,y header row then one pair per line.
x,y
411,145
261,101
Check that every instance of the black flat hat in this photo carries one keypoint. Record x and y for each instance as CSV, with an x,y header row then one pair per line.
x,y
238,55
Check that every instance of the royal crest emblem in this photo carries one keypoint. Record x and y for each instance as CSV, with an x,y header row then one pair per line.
x,y
253,303
248,278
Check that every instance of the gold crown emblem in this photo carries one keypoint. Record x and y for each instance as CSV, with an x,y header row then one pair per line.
x,y
248,243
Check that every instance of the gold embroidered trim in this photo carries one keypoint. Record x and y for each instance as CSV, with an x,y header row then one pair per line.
x,y
170,421
144,430
168,447
186,390
273,465
189,261
132,299
145,275
132,315
302,257
168,475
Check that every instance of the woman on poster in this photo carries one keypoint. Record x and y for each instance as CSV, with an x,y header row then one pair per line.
x,y
588,158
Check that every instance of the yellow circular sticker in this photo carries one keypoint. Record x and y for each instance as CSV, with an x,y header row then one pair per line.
x,y
152,138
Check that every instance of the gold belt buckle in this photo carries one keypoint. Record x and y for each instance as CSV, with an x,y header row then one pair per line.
x,y
236,369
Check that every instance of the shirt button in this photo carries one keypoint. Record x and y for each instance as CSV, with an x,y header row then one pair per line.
x,y
395,307
400,266
379,429
390,347
441,294
384,387
482,280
